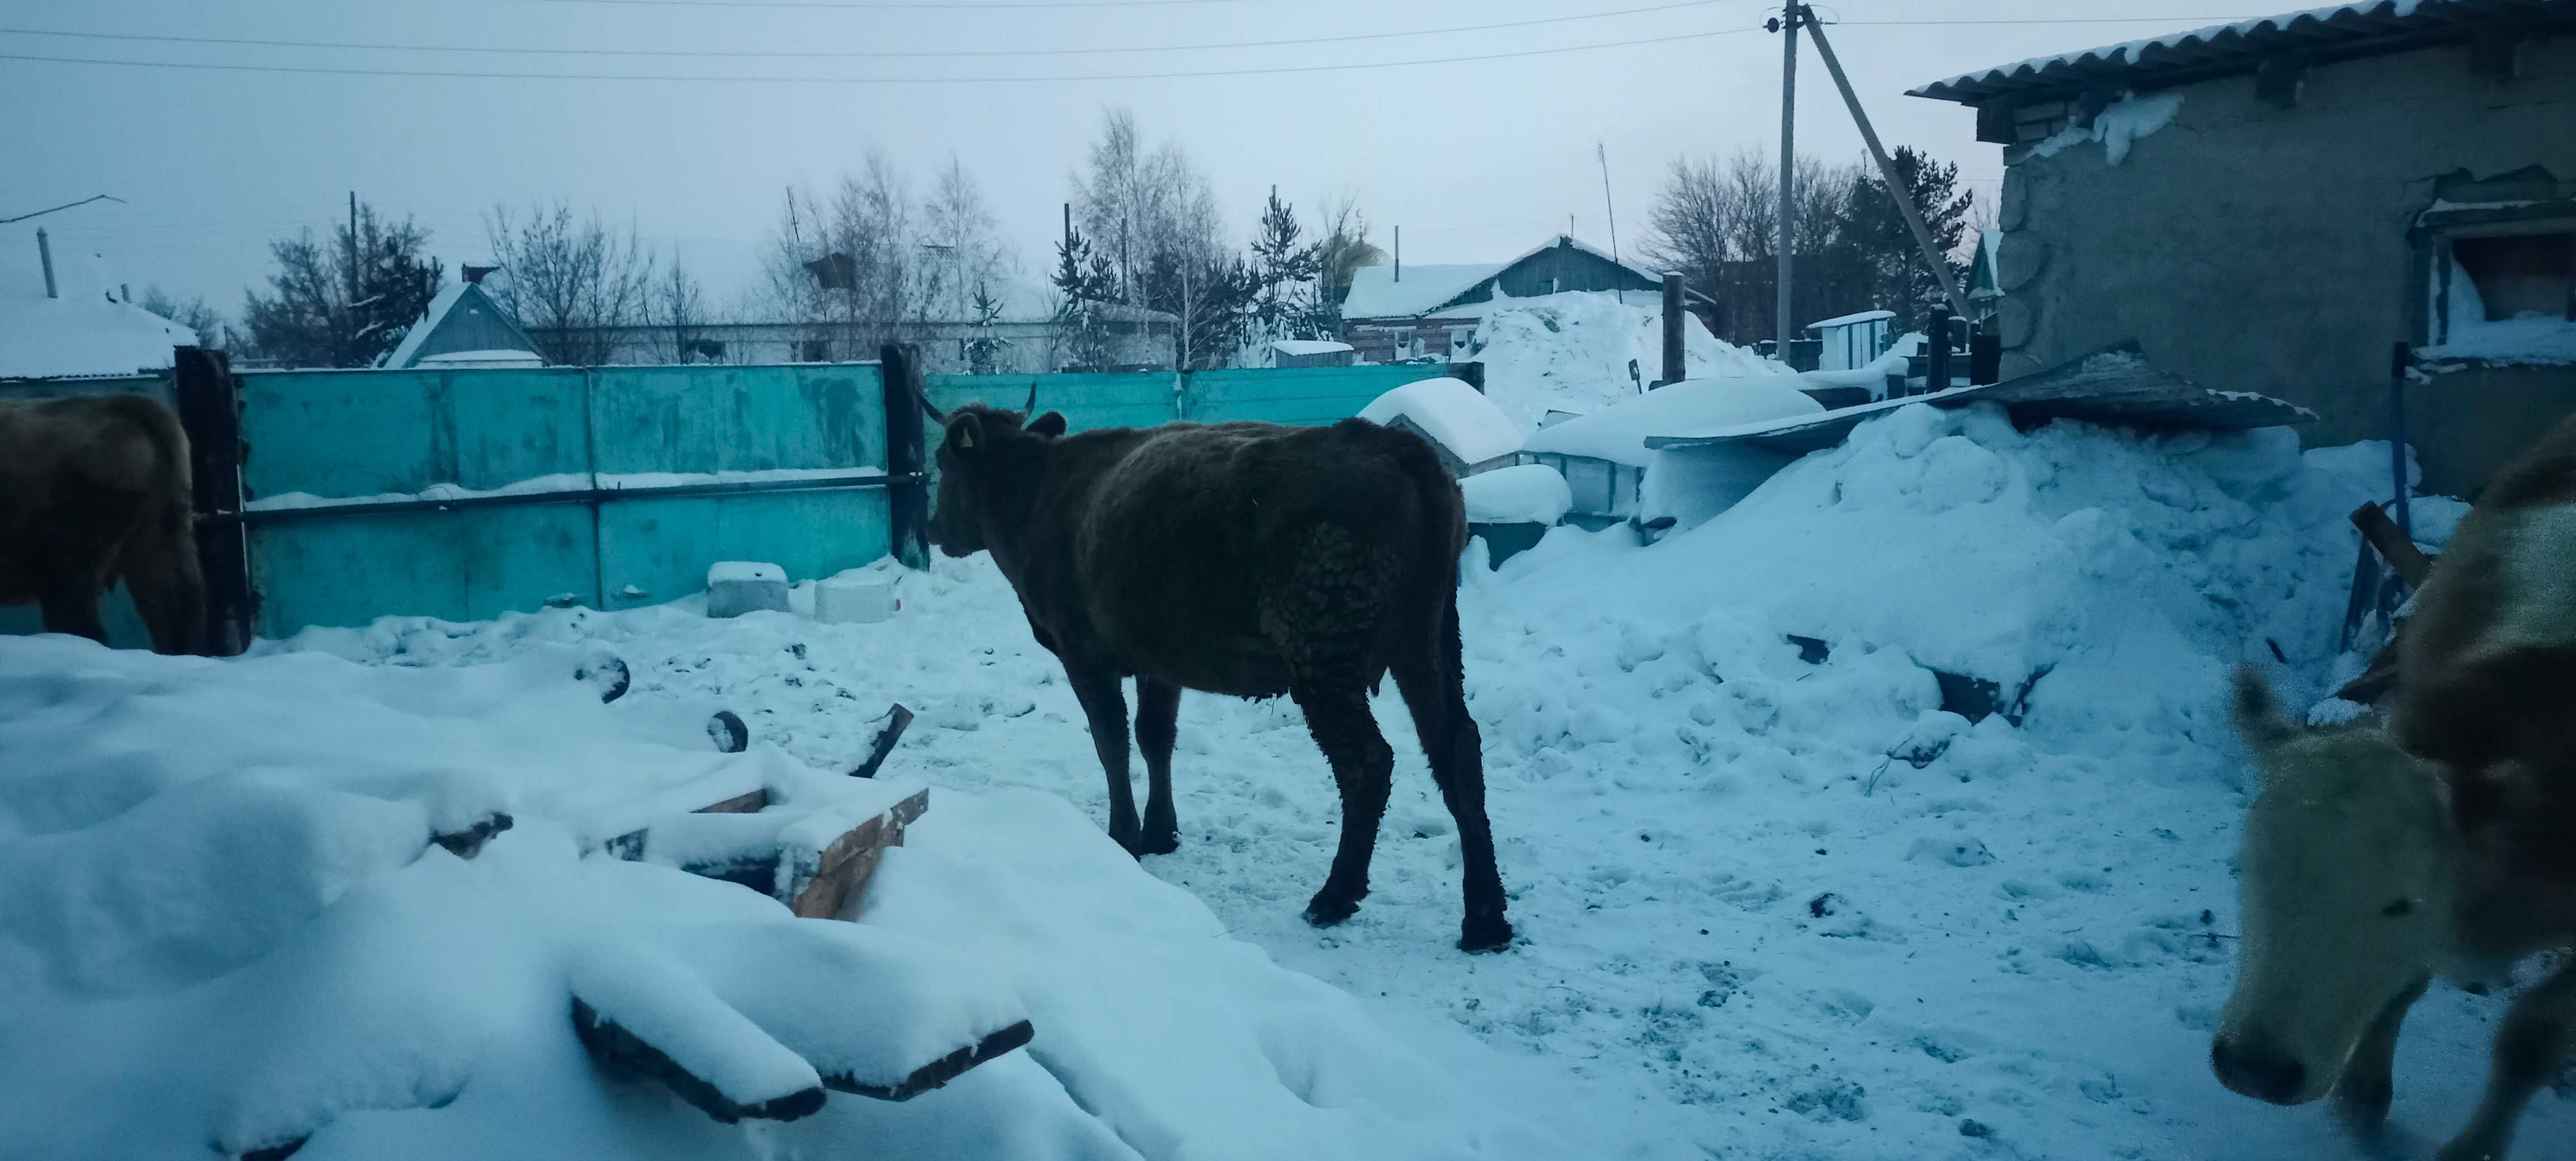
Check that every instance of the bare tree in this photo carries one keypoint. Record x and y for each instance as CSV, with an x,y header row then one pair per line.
x,y
678,313
571,282
1718,223
193,314
849,266
964,263
1345,248
1151,213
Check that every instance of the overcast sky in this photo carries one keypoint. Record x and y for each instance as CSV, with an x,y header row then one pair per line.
x,y
1476,159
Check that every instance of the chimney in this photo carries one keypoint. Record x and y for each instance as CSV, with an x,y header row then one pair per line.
x,y
1399,253
45,253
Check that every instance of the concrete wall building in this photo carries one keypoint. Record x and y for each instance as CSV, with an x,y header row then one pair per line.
x,y
2270,206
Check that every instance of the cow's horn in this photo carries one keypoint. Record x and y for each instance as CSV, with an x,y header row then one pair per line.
x,y
1032,408
936,415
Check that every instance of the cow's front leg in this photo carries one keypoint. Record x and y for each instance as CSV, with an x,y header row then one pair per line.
x,y
1104,704
2362,1093
2528,1049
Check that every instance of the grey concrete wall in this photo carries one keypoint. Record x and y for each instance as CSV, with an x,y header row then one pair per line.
x,y
2257,248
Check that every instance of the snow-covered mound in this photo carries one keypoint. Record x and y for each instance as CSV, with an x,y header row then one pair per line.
x,y
1521,494
224,925
1570,352
1460,417
1691,407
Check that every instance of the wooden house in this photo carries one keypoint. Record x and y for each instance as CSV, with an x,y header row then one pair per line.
x,y
1399,312
463,327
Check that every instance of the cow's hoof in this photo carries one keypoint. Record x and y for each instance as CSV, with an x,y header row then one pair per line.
x,y
1488,933
1162,843
1329,908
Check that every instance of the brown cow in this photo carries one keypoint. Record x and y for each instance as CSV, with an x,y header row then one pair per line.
x,y
1248,559
2488,662
94,490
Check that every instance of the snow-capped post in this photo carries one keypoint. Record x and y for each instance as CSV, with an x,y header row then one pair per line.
x,y
2400,358
907,481
1672,327
208,400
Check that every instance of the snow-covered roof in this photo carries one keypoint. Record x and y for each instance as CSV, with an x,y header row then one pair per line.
x,y
1375,293
1849,319
1458,416
2391,25
1308,346
1619,433
483,359
43,337
407,352
1988,280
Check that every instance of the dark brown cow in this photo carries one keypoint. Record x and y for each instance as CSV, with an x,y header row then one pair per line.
x,y
1248,559
95,490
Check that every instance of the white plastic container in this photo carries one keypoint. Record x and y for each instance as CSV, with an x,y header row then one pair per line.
x,y
735,587
855,600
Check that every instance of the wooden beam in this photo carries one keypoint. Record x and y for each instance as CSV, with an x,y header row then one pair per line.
x,y
851,860
939,1072
2393,544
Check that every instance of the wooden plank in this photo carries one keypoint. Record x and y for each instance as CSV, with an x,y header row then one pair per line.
x,y
2393,544
851,860
939,1072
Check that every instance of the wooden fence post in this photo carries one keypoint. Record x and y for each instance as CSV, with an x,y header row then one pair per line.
x,y
1672,328
907,476
209,406
1473,374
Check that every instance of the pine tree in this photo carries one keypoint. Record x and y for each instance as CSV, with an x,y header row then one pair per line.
x,y
1283,269
1901,282
1083,282
984,351
346,302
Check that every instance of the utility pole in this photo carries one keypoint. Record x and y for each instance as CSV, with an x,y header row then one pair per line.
x,y
353,274
1905,207
1609,209
1786,24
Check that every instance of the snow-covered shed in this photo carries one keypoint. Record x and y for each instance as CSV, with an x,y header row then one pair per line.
x,y
1470,433
463,327
1401,312
1604,458
1310,353
2264,206
1852,340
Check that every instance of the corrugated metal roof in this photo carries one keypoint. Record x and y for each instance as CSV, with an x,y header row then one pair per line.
x,y
2337,30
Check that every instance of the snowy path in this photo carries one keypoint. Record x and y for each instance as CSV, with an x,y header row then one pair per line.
x,y
1747,930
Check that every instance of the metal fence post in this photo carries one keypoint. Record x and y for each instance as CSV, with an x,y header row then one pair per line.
x,y
209,406
907,483
2398,361
1673,366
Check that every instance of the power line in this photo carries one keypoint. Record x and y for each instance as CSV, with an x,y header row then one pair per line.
x,y
795,55
982,80
893,5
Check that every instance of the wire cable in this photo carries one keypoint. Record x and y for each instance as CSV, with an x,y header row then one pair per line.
x,y
773,54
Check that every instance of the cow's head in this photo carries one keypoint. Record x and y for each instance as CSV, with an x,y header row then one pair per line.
x,y
2346,897
989,463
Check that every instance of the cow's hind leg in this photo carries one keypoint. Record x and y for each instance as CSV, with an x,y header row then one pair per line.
x,y
1435,691
2528,1049
1363,767
70,605
1158,711
159,564
1105,705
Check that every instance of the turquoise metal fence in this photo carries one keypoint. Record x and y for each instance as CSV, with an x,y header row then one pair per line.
x,y
466,494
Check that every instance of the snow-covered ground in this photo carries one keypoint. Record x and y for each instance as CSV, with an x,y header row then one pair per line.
x,y
1773,900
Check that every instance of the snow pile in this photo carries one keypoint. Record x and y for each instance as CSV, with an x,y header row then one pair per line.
x,y
2124,121
1571,352
1521,494
228,927
1776,901
1690,407
1455,415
